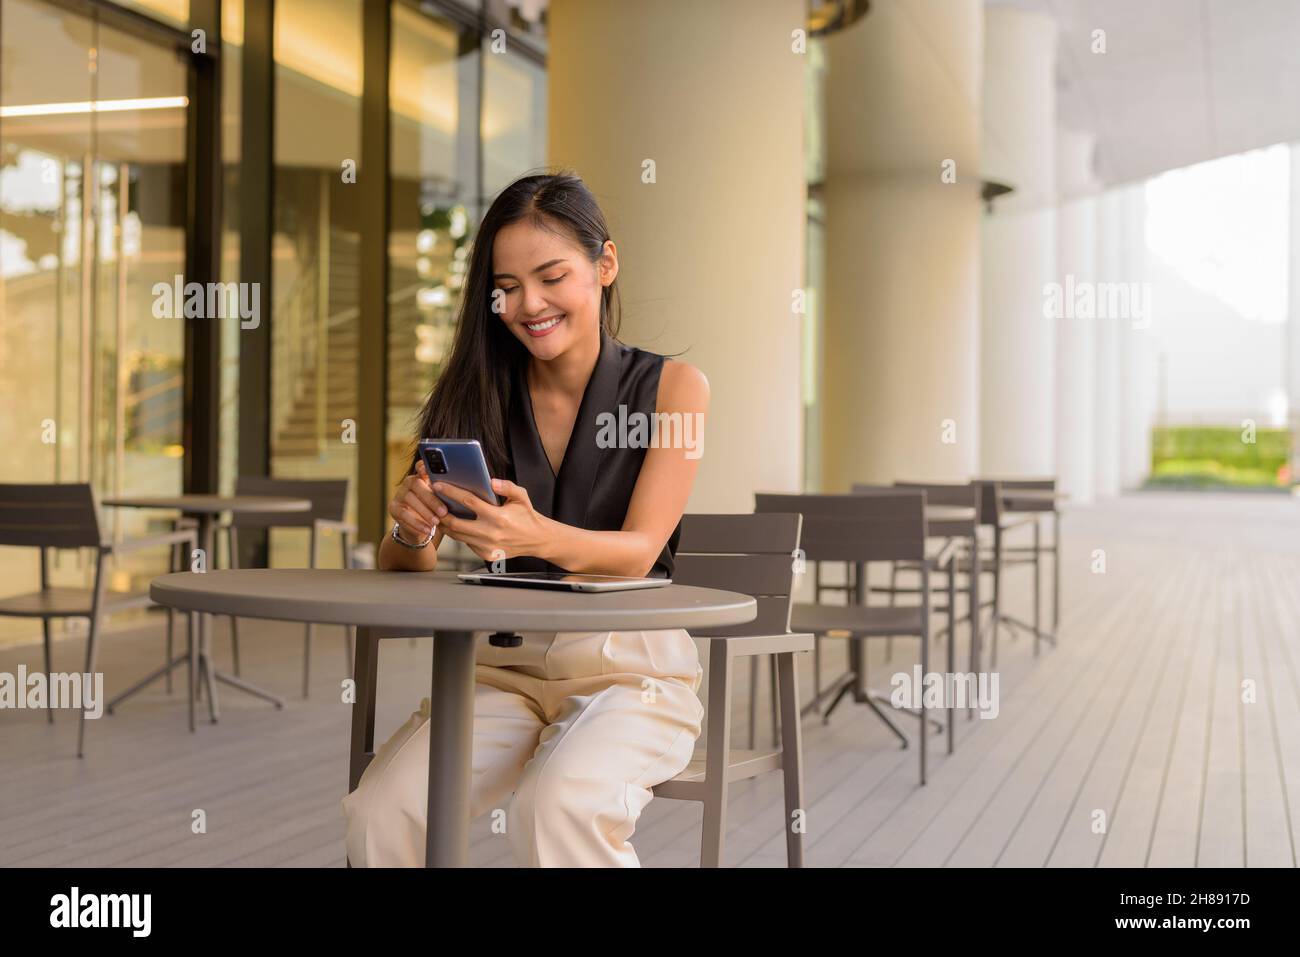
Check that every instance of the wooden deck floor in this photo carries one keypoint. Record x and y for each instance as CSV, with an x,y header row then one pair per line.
x,y
1163,730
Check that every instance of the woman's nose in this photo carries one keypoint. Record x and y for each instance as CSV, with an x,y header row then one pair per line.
x,y
535,303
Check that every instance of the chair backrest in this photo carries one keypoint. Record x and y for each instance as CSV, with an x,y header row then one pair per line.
x,y
990,506
1035,484
329,500
1006,486
958,495
751,554
49,516
861,527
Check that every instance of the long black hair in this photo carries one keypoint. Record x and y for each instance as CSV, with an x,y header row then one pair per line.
x,y
471,399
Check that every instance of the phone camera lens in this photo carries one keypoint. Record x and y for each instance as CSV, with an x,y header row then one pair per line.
x,y
438,463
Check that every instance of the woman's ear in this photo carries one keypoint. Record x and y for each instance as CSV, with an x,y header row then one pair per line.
x,y
607,264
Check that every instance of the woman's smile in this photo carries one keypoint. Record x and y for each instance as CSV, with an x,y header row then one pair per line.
x,y
543,326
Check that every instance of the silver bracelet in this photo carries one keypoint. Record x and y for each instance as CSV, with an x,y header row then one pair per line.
x,y
405,544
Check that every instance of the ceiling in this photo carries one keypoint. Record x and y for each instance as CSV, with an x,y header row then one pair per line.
x,y
1181,81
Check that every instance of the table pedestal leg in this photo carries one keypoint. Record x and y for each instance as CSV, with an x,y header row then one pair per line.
x,y
451,739
207,539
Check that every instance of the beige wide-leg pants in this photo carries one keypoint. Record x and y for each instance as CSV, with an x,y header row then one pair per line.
x,y
578,726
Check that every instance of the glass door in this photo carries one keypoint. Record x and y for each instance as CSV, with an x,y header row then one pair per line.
x,y
92,193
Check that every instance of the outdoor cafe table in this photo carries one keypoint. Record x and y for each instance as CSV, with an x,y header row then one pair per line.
x,y
385,604
205,509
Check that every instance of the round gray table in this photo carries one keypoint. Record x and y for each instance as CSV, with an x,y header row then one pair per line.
x,y
390,604
205,509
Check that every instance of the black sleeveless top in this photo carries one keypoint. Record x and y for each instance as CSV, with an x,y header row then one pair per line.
x,y
594,486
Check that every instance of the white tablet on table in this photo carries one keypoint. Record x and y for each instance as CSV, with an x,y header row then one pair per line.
x,y
562,581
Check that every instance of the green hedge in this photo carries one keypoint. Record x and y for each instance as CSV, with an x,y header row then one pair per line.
x,y
1201,456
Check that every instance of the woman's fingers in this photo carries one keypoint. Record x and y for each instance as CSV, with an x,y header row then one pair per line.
x,y
412,520
421,491
464,530
416,503
511,492
468,499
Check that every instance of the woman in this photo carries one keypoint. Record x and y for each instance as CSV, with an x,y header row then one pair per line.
x,y
578,727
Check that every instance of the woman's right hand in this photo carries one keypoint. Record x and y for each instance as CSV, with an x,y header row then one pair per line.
x,y
414,506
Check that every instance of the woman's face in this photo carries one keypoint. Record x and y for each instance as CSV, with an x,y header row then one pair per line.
x,y
546,290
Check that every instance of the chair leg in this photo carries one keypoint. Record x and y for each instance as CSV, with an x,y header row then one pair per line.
x,y
776,711
191,674
817,667
306,660
925,660
366,669
716,754
753,701
306,655
171,622
949,681
925,670
976,613
817,639
174,563
349,648
893,598
232,559
1056,573
234,643
787,683
92,657
350,632
1038,630
996,624
49,668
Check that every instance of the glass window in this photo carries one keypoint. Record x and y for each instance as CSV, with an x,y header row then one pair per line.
x,y
232,50
315,253
173,12
432,212
91,221
514,118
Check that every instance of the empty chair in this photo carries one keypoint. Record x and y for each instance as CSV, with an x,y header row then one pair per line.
x,y
1023,502
952,518
50,517
859,529
755,555
328,499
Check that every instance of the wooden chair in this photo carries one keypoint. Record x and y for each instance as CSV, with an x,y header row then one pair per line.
x,y
51,517
858,529
328,506
752,554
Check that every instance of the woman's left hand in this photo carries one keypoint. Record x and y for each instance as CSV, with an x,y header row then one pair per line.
x,y
507,530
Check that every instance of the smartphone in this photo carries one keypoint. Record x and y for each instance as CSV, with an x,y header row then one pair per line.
x,y
458,462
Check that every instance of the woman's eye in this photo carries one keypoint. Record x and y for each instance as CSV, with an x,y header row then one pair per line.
x,y
505,290
552,282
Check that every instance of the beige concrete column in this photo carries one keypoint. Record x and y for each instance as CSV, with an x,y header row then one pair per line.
x,y
902,245
1137,351
1076,334
1111,243
707,100
1017,341
1291,371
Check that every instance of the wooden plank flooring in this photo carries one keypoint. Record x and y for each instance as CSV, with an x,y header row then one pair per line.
x,y
1164,729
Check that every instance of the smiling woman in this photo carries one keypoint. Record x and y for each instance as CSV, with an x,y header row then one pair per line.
x,y
534,370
